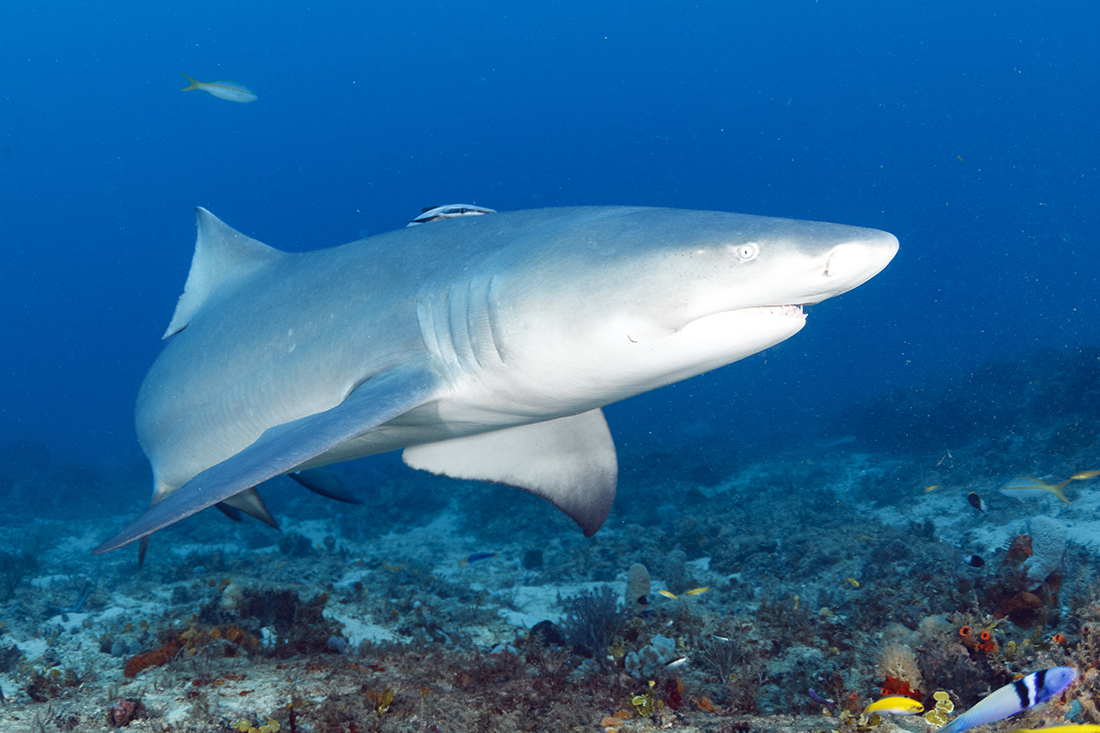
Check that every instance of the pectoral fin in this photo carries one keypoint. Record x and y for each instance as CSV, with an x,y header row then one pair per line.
x,y
569,461
282,448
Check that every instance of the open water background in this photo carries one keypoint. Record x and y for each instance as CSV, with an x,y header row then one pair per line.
x,y
968,130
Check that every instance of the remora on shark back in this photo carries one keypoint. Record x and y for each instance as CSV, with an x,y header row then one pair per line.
x,y
483,346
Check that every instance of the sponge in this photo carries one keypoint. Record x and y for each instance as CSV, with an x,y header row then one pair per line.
x,y
1048,543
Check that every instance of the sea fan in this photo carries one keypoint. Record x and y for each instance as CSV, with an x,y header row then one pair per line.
x,y
591,620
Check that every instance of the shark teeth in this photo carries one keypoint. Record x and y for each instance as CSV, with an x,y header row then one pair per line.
x,y
790,311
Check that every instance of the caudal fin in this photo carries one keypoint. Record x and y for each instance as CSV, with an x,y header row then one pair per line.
x,y
1057,490
195,83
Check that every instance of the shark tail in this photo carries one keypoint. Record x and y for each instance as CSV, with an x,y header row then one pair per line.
x,y
195,83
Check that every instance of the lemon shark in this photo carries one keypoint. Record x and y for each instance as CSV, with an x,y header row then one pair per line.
x,y
483,346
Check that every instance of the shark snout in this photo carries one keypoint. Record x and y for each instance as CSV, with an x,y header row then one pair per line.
x,y
851,264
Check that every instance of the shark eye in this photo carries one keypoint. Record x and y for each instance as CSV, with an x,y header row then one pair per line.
x,y
748,251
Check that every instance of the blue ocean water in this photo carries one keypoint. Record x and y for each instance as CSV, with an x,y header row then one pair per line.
x,y
969,131
811,507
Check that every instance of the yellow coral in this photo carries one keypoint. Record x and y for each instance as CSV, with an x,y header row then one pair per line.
x,y
385,701
245,726
648,703
939,715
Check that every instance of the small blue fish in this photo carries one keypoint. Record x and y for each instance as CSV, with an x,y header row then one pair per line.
x,y
1024,693
821,700
477,557
231,90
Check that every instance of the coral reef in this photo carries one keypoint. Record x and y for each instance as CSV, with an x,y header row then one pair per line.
x,y
637,587
1048,543
227,641
592,619
829,571
897,660
14,567
646,662
124,711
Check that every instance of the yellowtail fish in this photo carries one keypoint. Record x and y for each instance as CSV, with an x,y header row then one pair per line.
x,y
1081,476
894,705
1088,728
931,488
853,581
698,591
669,594
1024,487
231,90
477,557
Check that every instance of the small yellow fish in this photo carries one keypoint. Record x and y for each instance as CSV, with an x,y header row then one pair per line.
x,y
895,705
1059,729
668,594
1027,487
931,488
853,581
230,90
1081,476
697,591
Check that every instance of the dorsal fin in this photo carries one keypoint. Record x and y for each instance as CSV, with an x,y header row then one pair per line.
x,y
222,255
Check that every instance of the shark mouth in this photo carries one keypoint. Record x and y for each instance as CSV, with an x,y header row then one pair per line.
x,y
790,311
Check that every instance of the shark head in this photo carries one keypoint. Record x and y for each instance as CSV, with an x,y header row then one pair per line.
x,y
623,301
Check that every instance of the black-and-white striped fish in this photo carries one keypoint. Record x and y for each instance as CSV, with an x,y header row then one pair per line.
x,y
1024,693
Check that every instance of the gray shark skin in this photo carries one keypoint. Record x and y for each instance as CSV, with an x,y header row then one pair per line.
x,y
483,346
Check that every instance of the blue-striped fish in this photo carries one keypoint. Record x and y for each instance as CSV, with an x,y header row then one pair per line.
x,y
1024,693
231,90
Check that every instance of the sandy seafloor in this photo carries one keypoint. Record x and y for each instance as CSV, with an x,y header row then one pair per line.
x,y
826,568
